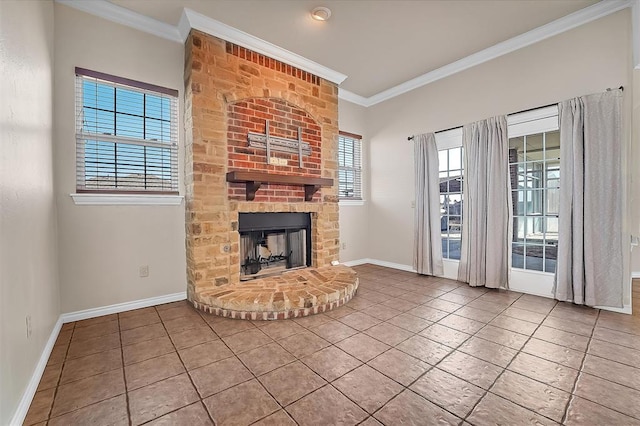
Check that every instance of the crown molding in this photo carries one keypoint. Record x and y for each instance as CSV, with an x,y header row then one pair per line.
x,y
124,16
566,23
193,20
352,97
218,29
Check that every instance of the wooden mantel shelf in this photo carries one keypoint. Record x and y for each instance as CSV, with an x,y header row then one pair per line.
x,y
253,180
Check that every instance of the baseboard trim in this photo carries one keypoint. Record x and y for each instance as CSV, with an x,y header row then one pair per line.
x,y
122,307
355,262
393,265
635,274
626,309
32,386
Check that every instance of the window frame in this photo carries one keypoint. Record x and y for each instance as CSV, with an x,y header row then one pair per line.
x,y
356,169
539,121
166,146
445,141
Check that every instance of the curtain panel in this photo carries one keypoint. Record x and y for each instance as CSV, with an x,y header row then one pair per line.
x,y
427,259
590,267
487,214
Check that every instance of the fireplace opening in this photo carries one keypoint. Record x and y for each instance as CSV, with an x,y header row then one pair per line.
x,y
271,243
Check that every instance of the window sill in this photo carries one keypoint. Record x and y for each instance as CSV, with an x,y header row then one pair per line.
x,y
351,202
126,199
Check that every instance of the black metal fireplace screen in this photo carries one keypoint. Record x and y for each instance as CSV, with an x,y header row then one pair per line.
x,y
271,243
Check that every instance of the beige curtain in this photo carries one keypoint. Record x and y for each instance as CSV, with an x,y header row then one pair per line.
x,y
485,258
427,258
590,234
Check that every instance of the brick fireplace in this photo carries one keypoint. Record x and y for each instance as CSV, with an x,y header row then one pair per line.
x,y
231,93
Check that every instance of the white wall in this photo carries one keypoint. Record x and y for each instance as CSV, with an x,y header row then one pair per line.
x,y
354,220
585,60
28,272
102,247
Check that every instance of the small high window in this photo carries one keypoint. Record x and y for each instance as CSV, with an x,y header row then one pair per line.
x,y
126,135
350,166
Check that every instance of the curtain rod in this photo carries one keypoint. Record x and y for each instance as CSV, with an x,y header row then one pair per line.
x,y
517,112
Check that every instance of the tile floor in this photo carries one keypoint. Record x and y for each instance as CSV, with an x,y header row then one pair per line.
x,y
405,350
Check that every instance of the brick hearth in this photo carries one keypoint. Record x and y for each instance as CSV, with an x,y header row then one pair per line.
x,y
229,92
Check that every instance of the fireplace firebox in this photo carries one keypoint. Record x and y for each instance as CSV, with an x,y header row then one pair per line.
x,y
271,243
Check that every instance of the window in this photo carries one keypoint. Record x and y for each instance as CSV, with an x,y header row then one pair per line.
x,y
451,178
534,161
349,166
126,135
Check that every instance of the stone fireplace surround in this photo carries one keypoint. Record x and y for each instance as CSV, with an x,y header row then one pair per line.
x,y
230,91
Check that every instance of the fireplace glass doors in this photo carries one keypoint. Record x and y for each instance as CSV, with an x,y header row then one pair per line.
x,y
271,243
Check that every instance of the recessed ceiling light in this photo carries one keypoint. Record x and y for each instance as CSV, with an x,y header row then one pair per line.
x,y
321,13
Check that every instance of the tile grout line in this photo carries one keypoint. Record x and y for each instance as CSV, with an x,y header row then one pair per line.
x,y
124,375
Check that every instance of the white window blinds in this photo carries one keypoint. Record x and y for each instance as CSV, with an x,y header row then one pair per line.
x,y
126,135
350,166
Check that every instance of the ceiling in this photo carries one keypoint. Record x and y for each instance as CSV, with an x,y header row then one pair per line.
x,y
377,44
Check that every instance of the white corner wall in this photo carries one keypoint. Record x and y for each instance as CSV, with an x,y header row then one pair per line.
x,y
102,247
354,218
28,264
585,60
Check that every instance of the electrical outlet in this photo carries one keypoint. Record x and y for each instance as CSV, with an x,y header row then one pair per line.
x,y
29,327
144,271
413,204
344,246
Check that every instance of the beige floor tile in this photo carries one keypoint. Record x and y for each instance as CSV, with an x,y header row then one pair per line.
x,y
94,345
563,338
148,349
246,340
213,378
230,407
192,415
544,371
291,382
142,334
160,398
537,397
524,315
303,344
204,353
494,410
448,391
326,406
312,321
266,358
399,304
226,327
569,326
514,324
112,411
359,321
81,393
362,347
612,371
331,363
583,412
475,314
410,322
609,394
488,351
381,312
411,409
94,330
367,388
424,349
50,377
388,333
462,324
334,331
90,365
279,418
280,329
40,407
193,336
618,337
399,366
621,354
555,353
503,337
445,335
179,324
471,369
153,370
428,313
135,321
96,320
